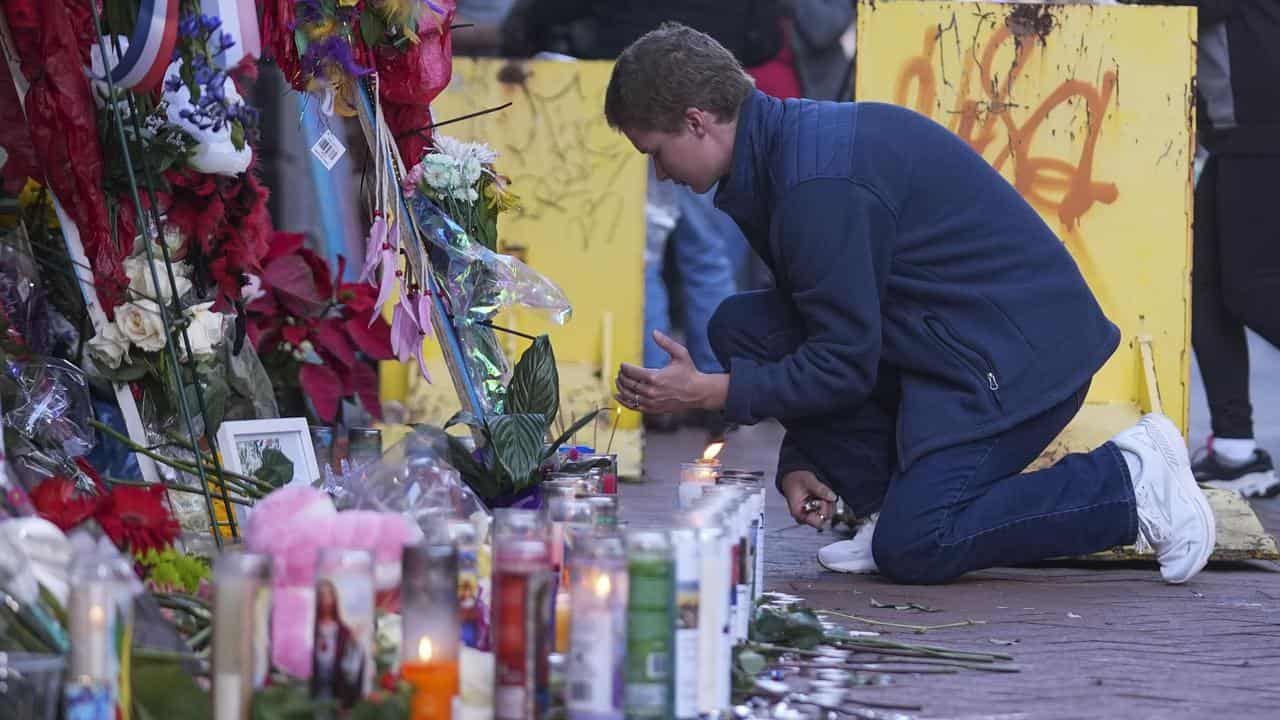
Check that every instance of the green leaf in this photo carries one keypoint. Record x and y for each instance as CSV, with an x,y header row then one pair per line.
x,y
124,373
481,480
462,417
517,442
164,689
796,627
276,469
569,433
237,136
372,27
535,383
751,662
291,701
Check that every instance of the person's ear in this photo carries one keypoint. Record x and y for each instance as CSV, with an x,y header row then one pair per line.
x,y
696,121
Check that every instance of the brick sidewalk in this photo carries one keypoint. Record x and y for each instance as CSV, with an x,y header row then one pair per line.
x,y
1093,641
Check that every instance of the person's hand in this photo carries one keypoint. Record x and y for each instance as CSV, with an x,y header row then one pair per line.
x,y
800,488
678,386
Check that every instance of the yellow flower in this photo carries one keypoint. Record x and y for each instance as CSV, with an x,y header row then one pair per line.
x,y
499,197
31,194
323,29
348,3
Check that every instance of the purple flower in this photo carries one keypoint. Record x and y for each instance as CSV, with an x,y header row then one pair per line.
x,y
333,51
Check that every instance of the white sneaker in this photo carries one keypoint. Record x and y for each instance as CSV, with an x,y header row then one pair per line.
x,y
1174,516
854,555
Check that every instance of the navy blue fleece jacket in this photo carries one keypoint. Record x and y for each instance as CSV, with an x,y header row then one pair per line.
x,y
900,245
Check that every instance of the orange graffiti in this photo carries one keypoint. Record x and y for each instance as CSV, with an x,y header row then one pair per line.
x,y
1054,184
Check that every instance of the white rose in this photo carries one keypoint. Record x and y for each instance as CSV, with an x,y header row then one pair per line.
x,y
140,322
205,330
140,280
110,346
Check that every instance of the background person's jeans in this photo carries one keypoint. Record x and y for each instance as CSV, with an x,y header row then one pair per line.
x,y
699,238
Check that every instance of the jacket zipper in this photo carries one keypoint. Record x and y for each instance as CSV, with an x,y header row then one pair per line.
x,y
993,384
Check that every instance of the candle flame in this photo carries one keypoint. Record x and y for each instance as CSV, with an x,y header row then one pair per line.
x,y
424,649
97,615
712,451
603,585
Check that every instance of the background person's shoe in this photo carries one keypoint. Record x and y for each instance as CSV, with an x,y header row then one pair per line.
x,y
1174,516
854,555
1256,478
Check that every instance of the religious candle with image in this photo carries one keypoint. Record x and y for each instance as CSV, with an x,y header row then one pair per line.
x,y
342,664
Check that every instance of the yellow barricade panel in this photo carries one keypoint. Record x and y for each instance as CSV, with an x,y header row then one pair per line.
x,y
1089,112
581,224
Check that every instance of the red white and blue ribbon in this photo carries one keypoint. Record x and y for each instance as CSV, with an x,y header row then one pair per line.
x,y
150,47
240,20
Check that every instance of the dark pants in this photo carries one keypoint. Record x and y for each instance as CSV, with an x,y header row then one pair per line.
x,y
954,510
1235,280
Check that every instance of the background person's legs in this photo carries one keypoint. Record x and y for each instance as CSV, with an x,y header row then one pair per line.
x,y
1235,283
703,267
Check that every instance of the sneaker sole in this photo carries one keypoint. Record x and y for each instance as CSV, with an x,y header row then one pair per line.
x,y
1263,484
862,570
837,567
1166,437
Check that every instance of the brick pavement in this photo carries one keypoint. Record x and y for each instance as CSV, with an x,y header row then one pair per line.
x,y
1092,640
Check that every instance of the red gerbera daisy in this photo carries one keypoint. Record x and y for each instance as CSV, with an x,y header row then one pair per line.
x,y
137,519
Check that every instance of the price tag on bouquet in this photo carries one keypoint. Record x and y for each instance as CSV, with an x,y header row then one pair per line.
x,y
328,149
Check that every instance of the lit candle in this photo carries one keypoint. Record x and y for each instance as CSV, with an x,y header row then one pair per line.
x,y
696,474
598,629
429,647
563,511
241,631
94,615
522,587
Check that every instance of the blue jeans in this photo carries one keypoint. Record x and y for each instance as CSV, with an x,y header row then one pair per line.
x,y
957,509
706,274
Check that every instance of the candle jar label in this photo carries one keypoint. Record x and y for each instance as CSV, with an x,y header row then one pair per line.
x,y
650,635
473,600
685,547
595,663
521,617
342,654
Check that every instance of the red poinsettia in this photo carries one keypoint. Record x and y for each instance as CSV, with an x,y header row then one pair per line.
x,y
331,332
226,226
136,519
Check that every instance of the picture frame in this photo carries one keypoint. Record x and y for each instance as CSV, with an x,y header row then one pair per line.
x,y
241,443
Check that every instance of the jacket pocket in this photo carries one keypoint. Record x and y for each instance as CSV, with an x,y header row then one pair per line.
x,y
970,357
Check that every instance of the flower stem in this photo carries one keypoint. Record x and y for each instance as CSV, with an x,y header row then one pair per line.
x,y
918,629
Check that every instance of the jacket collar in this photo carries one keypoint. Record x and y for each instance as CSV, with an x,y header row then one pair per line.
x,y
743,193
